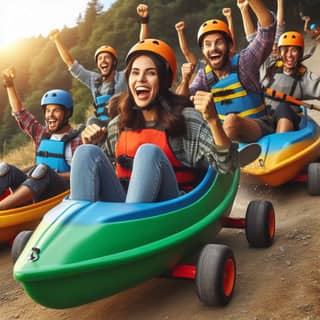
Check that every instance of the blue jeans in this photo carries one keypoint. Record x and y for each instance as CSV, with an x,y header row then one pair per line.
x,y
93,177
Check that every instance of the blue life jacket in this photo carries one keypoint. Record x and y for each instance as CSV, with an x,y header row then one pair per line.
x,y
101,107
230,96
52,152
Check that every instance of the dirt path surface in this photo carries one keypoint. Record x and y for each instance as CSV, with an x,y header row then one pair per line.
x,y
281,282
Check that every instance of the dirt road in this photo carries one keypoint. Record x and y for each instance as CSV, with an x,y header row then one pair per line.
x,y
281,282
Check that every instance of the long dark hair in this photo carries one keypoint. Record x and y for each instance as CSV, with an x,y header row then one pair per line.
x,y
168,105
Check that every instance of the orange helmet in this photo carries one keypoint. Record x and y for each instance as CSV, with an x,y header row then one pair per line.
x,y
214,25
107,49
291,38
158,47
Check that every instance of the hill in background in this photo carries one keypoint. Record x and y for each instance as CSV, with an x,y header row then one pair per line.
x,y
39,67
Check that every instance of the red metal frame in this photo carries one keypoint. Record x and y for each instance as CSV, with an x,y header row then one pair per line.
x,y
229,222
303,177
185,271
188,271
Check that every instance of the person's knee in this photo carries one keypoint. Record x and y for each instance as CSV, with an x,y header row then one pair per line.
x,y
38,179
4,169
40,171
147,149
286,114
148,153
44,182
232,125
86,151
283,110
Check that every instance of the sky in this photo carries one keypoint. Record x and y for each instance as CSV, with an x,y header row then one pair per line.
x,y
26,18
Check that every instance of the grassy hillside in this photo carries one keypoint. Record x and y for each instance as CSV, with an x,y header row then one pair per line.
x,y
21,157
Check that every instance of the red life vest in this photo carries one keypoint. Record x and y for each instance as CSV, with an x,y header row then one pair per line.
x,y
128,143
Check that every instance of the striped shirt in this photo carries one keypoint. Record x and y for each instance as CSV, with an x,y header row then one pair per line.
x,y
192,149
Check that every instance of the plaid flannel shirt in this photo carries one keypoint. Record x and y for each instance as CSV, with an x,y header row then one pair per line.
x,y
34,129
191,149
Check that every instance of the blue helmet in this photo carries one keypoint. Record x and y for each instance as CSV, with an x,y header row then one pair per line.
x,y
59,97
313,26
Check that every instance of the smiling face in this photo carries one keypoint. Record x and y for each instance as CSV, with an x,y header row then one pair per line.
x,y
143,81
54,117
215,50
105,63
290,56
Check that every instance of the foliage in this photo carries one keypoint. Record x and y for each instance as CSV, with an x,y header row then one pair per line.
x,y
40,68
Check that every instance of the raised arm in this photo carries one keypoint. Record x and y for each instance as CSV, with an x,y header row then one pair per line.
x,y
143,13
262,13
280,23
203,102
63,51
186,74
228,14
248,25
14,99
306,20
188,54
280,13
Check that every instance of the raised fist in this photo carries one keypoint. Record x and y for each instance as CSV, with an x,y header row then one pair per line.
x,y
180,26
143,10
54,34
8,75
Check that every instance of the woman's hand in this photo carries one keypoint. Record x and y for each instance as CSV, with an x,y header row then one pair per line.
x,y
93,134
203,102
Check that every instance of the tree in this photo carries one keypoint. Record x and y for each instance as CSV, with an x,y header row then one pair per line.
x,y
39,67
85,26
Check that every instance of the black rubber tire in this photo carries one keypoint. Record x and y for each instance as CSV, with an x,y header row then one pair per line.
x,y
314,179
19,243
215,275
260,224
